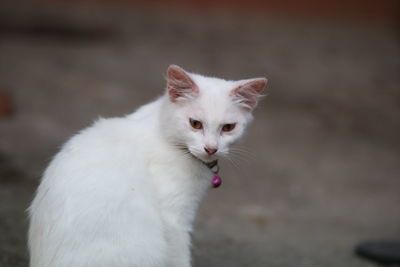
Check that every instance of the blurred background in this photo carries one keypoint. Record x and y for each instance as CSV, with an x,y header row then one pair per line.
x,y
320,166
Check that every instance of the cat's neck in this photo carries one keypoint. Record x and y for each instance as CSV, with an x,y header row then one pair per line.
x,y
166,123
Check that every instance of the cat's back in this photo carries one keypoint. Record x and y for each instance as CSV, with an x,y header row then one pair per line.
x,y
102,150
116,133
91,190
112,135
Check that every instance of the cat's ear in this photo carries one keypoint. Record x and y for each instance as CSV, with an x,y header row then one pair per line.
x,y
179,84
247,94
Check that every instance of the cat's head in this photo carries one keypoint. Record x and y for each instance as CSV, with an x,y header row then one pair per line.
x,y
206,115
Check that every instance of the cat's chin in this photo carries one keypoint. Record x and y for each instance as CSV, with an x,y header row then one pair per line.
x,y
202,158
208,161
205,160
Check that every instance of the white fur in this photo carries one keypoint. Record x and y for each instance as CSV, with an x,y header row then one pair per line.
x,y
124,192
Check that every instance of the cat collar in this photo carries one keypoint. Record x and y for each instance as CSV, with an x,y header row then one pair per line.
x,y
213,166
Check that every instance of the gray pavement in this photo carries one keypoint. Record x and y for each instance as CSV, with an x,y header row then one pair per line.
x,y
320,166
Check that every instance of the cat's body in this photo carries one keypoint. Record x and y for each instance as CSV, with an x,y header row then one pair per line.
x,y
124,192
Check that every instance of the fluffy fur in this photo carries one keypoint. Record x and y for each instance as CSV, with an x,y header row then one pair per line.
x,y
124,192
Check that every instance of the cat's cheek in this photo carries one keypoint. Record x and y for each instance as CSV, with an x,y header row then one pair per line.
x,y
195,143
231,138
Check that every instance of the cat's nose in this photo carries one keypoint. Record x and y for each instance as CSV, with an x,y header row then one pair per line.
x,y
210,151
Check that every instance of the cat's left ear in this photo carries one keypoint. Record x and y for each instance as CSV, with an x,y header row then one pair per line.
x,y
248,93
179,84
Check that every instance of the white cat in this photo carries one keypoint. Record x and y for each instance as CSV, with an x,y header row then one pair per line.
x,y
124,192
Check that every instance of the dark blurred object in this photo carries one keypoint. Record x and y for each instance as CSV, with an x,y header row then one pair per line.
x,y
386,11
9,174
52,21
6,107
57,29
384,252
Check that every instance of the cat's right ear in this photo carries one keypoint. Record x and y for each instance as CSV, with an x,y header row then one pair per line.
x,y
179,84
247,94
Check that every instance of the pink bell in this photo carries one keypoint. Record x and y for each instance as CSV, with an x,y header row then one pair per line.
x,y
217,181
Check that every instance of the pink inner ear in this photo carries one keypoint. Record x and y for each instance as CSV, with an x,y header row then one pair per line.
x,y
179,84
247,94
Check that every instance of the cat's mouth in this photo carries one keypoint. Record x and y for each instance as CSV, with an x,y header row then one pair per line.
x,y
210,163
207,160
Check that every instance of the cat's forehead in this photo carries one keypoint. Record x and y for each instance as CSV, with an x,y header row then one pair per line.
x,y
212,109
212,85
214,104
213,117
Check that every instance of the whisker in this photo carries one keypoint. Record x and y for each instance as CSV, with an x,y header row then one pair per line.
x,y
233,163
240,155
243,155
243,151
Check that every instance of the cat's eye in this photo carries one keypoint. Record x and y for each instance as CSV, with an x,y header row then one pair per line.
x,y
196,124
228,127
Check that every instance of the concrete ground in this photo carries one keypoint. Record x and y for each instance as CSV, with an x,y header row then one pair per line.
x,y
320,166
